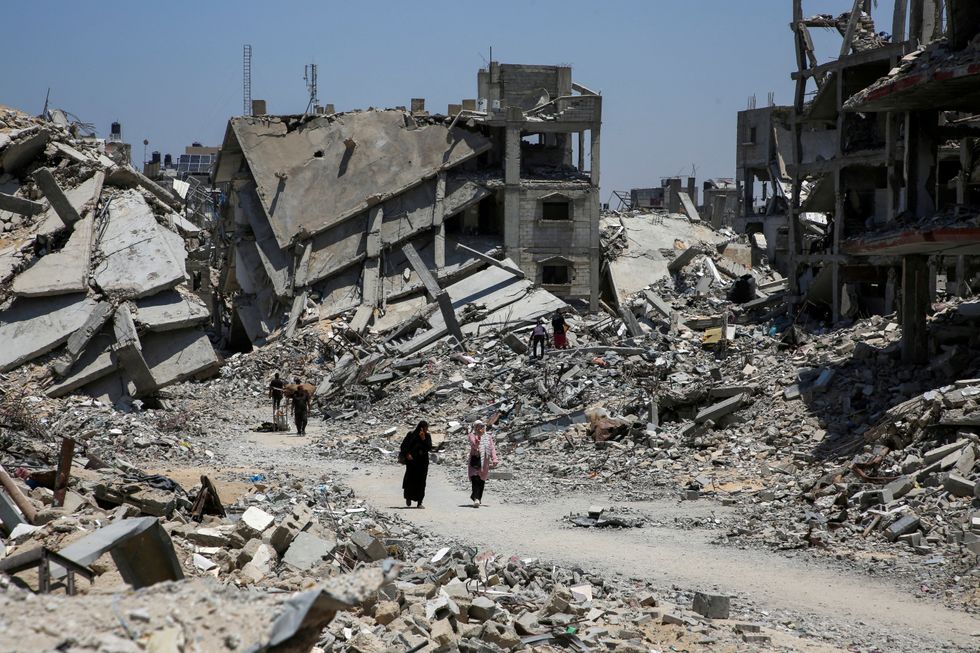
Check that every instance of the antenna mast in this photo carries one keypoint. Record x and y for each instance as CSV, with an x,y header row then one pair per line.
x,y
309,76
247,80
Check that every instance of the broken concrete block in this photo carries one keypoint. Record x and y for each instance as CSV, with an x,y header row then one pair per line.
x,y
958,486
719,410
307,550
248,552
442,632
386,611
712,606
684,257
254,521
939,453
900,486
902,526
369,547
281,538
57,198
261,564
482,608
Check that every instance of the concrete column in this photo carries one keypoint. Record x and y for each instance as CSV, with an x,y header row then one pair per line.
x,y
961,286
594,154
439,221
915,306
890,291
512,185
581,151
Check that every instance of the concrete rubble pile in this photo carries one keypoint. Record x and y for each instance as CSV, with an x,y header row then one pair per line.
x,y
284,560
94,268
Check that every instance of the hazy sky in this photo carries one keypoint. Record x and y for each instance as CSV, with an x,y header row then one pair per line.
x,y
672,73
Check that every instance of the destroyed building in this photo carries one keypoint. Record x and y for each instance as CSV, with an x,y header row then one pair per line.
x,y
94,266
880,187
321,207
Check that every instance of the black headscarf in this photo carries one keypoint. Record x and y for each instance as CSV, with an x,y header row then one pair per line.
x,y
413,444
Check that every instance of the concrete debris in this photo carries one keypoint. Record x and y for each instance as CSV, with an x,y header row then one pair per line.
x,y
87,234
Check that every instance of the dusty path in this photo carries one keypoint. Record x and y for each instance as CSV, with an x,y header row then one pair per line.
x,y
832,603
669,556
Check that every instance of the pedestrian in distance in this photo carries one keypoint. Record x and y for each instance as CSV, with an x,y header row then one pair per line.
x,y
414,454
483,458
559,327
275,391
301,406
539,335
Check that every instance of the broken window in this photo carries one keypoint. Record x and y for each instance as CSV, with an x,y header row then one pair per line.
x,y
555,275
751,135
556,211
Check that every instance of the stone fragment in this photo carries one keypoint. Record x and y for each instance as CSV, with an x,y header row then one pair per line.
x,y
482,608
712,606
307,550
254,521
958,486
902,526
261,564
386,611
442,632
369,547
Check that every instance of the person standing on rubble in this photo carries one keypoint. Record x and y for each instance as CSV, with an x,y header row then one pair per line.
x,y
275,391
559,327
301,406
539,335
483,457
414,454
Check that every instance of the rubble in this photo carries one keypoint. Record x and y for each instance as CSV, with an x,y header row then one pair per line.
x,y
90,236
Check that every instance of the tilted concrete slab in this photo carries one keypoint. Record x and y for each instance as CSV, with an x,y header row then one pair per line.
x,y
22,150
343,164
275,261
34,326
170,310
97,362
255,316
178,355
79,197
62,272
138,257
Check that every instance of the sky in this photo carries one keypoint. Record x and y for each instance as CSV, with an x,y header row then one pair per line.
x,y
673,73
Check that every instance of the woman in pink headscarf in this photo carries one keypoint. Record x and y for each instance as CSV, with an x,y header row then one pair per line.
x,y
483,457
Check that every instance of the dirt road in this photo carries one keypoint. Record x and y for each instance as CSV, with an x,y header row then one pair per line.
x,y
825,598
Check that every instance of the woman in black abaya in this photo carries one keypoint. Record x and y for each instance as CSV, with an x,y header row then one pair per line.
x,y
415,454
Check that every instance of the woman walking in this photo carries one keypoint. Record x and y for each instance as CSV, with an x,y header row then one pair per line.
x,y
414,453
483,456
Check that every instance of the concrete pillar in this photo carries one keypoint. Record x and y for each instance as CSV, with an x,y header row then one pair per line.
x,y
890,284
512,185
439,221
915,306
594,154
581,151
961,286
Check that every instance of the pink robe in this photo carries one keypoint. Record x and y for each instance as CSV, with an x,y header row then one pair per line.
x,y
488,461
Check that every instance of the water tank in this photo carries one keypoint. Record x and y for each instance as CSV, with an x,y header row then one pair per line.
x,y
196,144
116,130
168,161
154,157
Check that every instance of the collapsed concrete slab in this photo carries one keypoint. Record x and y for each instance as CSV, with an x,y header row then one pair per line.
x,y
63,272
178,355
341,164
34,326
79,199
138,257
170,310
97,361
